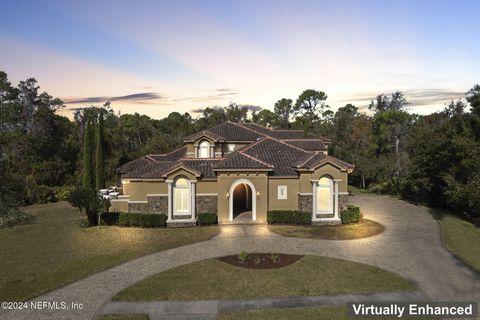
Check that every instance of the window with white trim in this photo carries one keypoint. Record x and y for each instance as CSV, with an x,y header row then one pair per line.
x,y
282,192
181,196
231,147
204,149
325,195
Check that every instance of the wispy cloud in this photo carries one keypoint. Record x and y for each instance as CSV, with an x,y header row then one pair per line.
x,y
249,107
137,97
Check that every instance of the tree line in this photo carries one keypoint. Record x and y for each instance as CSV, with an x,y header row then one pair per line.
x,y
431,159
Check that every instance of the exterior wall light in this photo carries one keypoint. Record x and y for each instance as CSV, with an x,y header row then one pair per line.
x,y
125,181
228,194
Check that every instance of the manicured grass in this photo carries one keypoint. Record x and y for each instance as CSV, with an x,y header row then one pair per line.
x,y
311,275
123,317
55,250
461,238
363,229
311,313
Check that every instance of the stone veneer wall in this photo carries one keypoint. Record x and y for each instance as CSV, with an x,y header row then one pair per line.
x,y
206,204
342,201
305,203
158,204
137,207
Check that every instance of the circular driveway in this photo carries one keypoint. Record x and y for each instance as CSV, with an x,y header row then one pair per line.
x,y
409,246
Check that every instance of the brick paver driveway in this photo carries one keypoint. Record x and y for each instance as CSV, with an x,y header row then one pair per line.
x,y
410,246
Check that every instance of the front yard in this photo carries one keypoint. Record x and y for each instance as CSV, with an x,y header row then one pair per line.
x,y
55,250
311,275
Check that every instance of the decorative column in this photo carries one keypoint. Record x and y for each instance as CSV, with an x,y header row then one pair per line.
x,y
314,200
212,151
335,191
195,151
170,206
192,199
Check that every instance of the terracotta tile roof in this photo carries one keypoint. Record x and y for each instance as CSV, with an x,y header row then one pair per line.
x,y
279,154
239,160
283,157
207,133
307,144
172,156
152,170
205,166
277,134
318,158
134,164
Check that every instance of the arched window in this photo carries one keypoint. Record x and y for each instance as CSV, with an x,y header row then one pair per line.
x,y
325,195
204,149
181,196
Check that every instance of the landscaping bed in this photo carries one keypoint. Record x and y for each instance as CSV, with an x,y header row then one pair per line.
x,y
262,260
362,229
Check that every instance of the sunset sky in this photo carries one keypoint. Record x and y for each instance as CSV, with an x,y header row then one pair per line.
x,y
155,57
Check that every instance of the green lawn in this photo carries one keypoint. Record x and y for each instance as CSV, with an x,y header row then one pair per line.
x,y
55,250
461,238
310,313
311,275
123,317
366,228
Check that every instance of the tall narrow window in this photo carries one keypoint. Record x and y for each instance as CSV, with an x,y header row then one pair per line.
x,y
181,196
204,149
325,195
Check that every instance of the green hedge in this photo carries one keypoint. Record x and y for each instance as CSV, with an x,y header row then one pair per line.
x,y
110,218
205,219
142,220
289,217
350,215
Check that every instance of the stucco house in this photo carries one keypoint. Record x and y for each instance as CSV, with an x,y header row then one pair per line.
x,y
238,171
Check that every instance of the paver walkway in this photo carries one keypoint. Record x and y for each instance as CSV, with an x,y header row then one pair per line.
x,y
208,309
410,246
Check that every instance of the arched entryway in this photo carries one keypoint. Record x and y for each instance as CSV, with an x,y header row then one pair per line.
x,y
242,204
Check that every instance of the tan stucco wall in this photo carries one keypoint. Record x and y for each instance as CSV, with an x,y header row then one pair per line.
x,y
305,185
261,185
291,203
207,187
138,190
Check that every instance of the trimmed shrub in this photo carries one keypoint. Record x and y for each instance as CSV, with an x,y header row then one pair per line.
x,y
110,218
62,193
205,219
142,220
288,217
350,215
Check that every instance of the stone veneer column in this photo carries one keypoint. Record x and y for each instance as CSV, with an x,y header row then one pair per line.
x,y
170,204
335,191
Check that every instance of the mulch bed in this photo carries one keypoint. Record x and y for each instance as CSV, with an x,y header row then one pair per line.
x,y
262,260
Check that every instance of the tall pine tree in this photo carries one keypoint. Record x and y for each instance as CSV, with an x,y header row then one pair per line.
x,y
99,156
87,157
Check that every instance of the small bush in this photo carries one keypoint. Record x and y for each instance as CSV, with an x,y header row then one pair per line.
x,y
350,215
142,220
110,218
288,217
12,216
62,193
205,219
242,256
